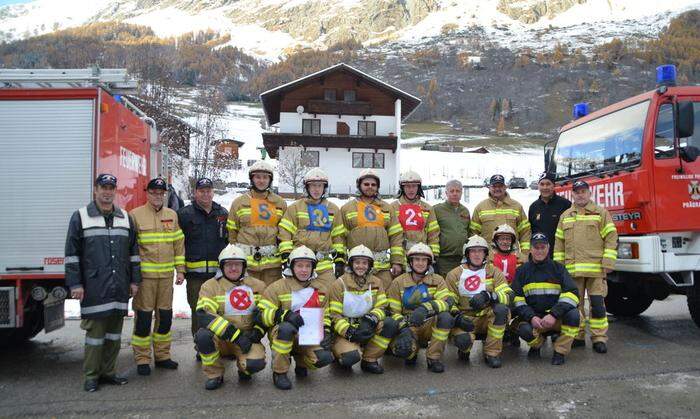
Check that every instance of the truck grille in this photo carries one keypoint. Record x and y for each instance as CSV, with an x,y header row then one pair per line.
x,y
7,307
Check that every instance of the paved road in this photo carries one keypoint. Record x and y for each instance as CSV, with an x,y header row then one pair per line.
x,y
652,370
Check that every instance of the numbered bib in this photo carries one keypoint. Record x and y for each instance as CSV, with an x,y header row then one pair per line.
x,y
305,297
507,264
472,282
319,219
369,215
411,217
263,213
415,295
240,301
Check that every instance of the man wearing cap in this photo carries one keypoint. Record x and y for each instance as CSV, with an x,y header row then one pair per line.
x,y
162,251
499,209
453,219
102,271
204,224
544,213
586,243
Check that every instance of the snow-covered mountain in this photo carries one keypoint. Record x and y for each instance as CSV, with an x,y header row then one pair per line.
x,y
270,28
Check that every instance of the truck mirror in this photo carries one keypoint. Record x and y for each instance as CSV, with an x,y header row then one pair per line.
x,y
690,153
547,158
686,119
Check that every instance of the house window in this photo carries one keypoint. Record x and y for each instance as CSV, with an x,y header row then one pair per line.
x,y
329,94
349,96
366,128
310,158
368,160
311,126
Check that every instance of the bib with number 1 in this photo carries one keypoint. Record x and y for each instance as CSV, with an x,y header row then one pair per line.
x,y
369,215
411,217
262,213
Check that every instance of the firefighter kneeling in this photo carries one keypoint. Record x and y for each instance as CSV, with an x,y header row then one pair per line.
x,y
281,303
420,301
483,297
546,300
226,310
357,302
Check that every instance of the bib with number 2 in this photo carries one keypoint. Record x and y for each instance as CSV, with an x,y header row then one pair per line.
x,y
369,215
262,213
411,217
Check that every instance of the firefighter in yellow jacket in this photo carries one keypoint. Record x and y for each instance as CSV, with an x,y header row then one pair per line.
x,y
420,301
416,216
226,311
586,243
252,224
316,223
499,209
371,221
162,251
357,304
281,304
483,296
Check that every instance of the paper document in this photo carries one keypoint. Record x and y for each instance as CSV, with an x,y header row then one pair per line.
x,y
311,333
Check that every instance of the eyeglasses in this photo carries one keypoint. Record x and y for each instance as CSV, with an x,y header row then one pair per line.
x,y
368,184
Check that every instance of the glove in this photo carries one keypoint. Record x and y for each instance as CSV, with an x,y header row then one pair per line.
x,y
418,316
366,329
463,322
285,260
480,301
255,335
403,343
294,318
327,338
339,269
243,342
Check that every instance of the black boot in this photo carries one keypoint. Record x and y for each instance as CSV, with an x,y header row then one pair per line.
x,y
301,372
493,361
557,359
143,369
410,362
371,367
463,356
167,364
600,347
579,343
91,386
533,353
214,383
113,380
242,376
434,365
281,381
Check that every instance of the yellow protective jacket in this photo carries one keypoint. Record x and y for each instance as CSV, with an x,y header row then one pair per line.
x,y
491,213
243,297
318,226
419,223
252,220
374,225
336,294
405,294
586,241
495,282
278,295
161,242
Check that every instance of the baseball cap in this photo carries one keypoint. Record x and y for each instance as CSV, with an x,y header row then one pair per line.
x,y
496,179
580,184
104,179
546,175
157,183
539,238
204,182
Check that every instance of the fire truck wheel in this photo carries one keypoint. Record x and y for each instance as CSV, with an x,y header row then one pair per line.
x,y
694,300
621,302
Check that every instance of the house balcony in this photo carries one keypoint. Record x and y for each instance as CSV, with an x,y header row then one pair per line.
x,y
338,107
274,140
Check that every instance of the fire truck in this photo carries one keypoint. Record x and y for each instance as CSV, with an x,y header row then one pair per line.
x,y
60,128
639,157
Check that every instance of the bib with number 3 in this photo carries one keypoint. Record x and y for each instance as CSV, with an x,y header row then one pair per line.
x,y
319,220
411,217
369,215
472,282
262,213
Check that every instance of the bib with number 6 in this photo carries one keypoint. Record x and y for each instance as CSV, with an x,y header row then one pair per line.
x,y
472,282
240,301
411,217
369,215
262,213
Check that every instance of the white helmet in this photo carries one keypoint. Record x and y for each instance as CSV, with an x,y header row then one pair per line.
x,y
409,177
365,173
475,242
315,175
504,229
260,167
232,252
360,251
302,253
420,249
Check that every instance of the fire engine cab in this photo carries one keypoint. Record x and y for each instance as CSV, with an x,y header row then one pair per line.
x,y
639,157
60,128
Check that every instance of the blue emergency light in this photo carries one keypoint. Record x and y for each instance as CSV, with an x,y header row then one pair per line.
x,y
666,75
580,110
118,98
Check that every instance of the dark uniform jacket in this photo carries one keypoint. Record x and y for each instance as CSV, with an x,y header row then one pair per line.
x,y
544,217
543,288
205,238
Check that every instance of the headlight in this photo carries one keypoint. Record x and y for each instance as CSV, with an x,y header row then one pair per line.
x,y
628,251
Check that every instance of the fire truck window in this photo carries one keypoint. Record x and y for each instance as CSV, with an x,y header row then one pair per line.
x,y
695,139
663,139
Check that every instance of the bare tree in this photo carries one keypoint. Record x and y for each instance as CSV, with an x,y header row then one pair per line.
x,y
210,107
293,167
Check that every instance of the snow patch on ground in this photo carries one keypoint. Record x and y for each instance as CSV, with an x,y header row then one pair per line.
x,y
672,383
397,407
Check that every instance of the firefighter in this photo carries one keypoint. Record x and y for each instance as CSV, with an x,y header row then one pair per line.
x,y
203,223
586,243
227,307
252,224
420,301
162,250
357,304
505,258
102,271
415,215
545,302
499,209
315,222
544,213
483,296
371,221
281,304
453,219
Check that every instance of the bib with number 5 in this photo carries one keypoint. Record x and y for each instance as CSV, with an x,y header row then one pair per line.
x,y
369,215
262,213
411,217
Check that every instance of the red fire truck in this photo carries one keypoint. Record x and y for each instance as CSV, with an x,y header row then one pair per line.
x,y
59,128
640,158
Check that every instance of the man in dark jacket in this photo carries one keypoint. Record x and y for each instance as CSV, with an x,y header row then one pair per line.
x,y
102,271
544,213
204,224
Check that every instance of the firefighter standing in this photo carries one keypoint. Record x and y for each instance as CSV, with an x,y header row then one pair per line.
x,y
102,271
357,304
546,300
544,213
453,219
483,297
203,223
252,224
499,209
226,309
586,243
161,247
415,215
316,223
281,304
371,221
420,301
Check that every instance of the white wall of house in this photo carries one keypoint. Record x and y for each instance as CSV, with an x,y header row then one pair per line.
x,y
337,162
290,122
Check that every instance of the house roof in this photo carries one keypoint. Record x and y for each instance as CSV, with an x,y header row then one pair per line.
x,y
271,99
229,140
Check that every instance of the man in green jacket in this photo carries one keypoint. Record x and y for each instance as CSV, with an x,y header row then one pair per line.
x,y
453,218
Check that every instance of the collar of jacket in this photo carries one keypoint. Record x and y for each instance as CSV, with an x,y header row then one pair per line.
x,y
94,211
506,199
552,200
152,208
374,200
259,195
214,207
311,201
404,200
590,207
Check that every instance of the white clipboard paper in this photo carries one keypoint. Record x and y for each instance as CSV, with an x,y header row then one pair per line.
x,y
311,333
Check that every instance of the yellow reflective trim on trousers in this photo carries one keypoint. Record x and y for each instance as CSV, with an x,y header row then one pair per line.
x,y
209,359
570,331
598,323
380,341
496,332
585,267
281,347
167,337
218,326
440,334
143,342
